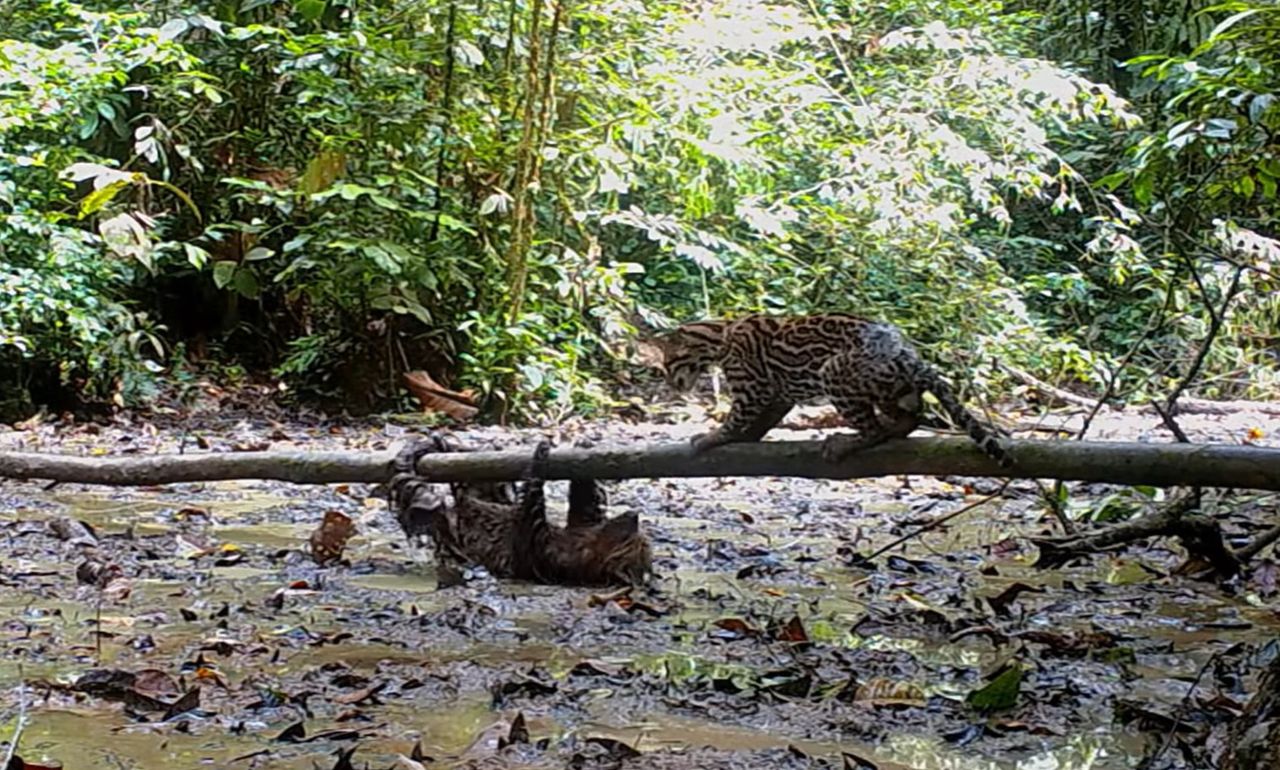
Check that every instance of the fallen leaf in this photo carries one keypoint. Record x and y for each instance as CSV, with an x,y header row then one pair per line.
x,y
18,763
737,627
330,538
600,600
96,573
616,748
496,736
592,667
73,531
188,702
117,590
189,549
1122,573
1000,693
344,758
884,691
155,683
793,632
1070,644
855,762
1000,602
1265,576
434,397
352,698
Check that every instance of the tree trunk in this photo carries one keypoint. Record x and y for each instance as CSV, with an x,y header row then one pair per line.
x,y
1209,465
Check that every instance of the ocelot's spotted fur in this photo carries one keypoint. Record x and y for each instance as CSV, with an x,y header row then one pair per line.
x,y
505,529
869,372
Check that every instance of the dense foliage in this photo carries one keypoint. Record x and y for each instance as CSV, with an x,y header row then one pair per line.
x,y
336,192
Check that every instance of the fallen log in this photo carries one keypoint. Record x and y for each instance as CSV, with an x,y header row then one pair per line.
x,y
1185,404
1164,465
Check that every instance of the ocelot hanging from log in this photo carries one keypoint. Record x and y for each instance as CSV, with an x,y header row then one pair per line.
x,y
869,372
503,527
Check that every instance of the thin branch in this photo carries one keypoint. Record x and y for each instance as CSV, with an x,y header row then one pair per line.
x,y
938,522
1259,543
446,110
1215,324
20,725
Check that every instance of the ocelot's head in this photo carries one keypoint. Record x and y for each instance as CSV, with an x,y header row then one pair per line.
x,y
690,350
613,552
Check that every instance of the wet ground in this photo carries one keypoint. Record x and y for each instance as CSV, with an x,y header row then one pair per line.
x,y
765,643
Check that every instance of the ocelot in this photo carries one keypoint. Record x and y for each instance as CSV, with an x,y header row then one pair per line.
x,y
505,529
869,372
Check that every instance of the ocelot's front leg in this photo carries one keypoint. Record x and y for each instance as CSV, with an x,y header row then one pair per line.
x,y
749,419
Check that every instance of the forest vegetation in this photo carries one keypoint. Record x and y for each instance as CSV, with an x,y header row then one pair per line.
x,y
325,194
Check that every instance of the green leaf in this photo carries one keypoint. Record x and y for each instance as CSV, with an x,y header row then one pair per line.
x,y
311,10
95,200
453,223
1247,186
1231,21
223,272
89,126
197,256
322,170
246,283
1111,181
1268,186
1123,573
1000,693
1144,186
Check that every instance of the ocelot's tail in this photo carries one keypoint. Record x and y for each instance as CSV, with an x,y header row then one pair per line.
x,y
984,437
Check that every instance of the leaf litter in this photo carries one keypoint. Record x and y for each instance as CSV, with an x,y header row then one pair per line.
x,y
255,624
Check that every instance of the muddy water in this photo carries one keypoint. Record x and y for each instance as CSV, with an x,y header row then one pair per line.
x,y
292,643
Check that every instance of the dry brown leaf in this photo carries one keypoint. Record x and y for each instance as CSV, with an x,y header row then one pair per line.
x,y
155,683
434,397
357,696
886,691
330,538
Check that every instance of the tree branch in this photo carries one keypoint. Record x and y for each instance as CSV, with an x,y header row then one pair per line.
x,y
1216,465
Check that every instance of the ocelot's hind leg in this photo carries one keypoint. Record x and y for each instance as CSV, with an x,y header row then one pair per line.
x,y
901,414
856,387
859,412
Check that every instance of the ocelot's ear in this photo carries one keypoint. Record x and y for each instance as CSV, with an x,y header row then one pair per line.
x,y
621,527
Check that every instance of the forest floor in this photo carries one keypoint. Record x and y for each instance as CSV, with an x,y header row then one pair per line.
x,y
762,644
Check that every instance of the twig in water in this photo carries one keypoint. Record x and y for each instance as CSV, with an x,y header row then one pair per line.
x,y
20,724
940,521
1177,715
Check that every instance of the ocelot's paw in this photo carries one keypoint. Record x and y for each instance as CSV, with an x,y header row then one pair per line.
x,y
407,458
538,465
705,441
